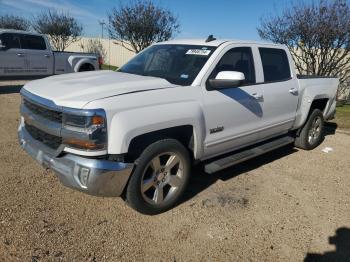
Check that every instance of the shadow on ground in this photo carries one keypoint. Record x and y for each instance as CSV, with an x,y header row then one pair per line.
x,y
10,89
341,240
200,180
330,128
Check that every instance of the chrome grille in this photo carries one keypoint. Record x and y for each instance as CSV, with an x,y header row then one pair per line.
x,y
51,115
49,140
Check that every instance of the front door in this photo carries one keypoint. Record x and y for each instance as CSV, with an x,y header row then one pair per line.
x,y
232,115
12,57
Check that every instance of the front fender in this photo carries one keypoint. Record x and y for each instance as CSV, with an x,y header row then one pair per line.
x,y
126,125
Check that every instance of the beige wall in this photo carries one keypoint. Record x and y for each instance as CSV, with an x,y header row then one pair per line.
x,y
116,54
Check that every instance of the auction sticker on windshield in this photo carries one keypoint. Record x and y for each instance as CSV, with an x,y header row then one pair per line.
x,y
198,52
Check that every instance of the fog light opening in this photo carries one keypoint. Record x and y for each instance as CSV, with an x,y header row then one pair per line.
x,y
84,176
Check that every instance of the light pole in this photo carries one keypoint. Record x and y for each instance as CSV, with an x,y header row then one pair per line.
x,y
102,23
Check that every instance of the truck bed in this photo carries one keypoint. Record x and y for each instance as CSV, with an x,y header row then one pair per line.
x,y
313,76
316,87
75,53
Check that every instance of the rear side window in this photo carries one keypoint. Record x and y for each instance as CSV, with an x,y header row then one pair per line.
x,y
10,40
275,64
33,42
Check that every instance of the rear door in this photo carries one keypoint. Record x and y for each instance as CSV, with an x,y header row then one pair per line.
x,y
280,92
39,57
12,57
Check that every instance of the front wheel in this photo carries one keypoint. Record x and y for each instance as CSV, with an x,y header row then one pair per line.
x,y
160,177
312,133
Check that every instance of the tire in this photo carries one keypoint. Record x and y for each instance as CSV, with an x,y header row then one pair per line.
x,y
311,134
86,67
160,177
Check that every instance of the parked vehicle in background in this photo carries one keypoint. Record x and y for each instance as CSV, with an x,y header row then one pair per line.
x,y
138,131
30,54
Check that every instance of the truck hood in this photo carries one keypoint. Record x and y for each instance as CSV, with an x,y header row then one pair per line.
x,y
77,89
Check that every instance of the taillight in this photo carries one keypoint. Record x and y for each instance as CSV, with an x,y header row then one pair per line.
x,y
100,61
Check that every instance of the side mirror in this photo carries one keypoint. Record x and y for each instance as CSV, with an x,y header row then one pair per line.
x,y
225,79
2,46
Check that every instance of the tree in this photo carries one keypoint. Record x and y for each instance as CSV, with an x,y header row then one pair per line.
x,y
317,35
95,46
62,28
14,22
140,24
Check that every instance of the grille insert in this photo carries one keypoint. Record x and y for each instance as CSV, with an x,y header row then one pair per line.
x,y
49,140
51,115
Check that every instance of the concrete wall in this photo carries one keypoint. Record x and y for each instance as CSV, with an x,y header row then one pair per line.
x,y
116,54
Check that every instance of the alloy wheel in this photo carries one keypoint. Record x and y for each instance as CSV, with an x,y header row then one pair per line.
x,y
162,178
315,130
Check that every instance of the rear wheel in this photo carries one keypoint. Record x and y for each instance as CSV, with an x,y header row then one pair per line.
x,y
160,177
86,67
312,133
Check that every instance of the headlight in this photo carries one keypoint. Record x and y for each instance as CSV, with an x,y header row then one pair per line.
x,y
85,129
75,122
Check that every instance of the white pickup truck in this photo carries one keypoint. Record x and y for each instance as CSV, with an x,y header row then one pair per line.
x,y
30,54
136,132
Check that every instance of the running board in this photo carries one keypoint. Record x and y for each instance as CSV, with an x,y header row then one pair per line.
x,y
241,156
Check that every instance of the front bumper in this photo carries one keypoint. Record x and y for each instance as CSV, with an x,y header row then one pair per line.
x,y
104,178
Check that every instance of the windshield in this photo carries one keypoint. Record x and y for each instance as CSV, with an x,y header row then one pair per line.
x,y
178,64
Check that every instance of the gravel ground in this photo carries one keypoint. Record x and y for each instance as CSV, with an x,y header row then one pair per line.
x,y
282,206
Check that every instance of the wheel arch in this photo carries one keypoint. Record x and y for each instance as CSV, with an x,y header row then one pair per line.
x,y
78,62
307,105
172,120
319,103
86,64
184,134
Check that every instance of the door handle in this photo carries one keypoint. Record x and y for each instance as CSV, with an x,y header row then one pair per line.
x,y
257,96
293,91
20,54
46,55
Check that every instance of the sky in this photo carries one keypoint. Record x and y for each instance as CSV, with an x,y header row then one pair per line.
x,y
235,19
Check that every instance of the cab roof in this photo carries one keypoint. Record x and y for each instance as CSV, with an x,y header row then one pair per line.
x,y
2,30
215,42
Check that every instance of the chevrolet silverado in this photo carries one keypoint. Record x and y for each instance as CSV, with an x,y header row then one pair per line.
x,y
136,132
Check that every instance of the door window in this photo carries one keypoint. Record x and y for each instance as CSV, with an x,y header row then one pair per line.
x,y
33,42
275,64
238,59
10,40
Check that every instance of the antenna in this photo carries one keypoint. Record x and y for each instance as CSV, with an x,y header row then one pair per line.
x,y
210,38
